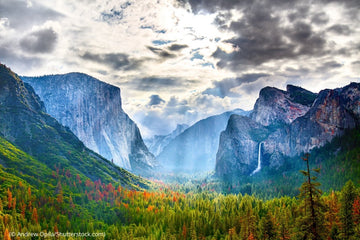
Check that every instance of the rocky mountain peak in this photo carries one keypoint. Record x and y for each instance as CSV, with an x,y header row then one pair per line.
x,y
333,111
16,93
92,110
275,106
289,123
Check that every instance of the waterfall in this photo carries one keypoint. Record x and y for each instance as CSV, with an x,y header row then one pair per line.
x,y
259,161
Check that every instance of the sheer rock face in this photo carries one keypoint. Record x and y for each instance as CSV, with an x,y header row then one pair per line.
x,y
292,122
92,110
275,106
238,147
331,113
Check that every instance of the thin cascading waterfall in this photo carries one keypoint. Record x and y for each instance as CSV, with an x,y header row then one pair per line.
x,y
259,161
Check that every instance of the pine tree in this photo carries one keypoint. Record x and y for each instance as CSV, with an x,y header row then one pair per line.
x,y
267,227
59,193
347,199
332,217
193,230
29,193
312,221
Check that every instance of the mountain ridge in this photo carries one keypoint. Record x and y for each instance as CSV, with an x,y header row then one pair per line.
x,y
157,143
93,110
32,137
291,128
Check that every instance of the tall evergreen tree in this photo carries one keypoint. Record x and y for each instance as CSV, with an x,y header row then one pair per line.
x,y
348,195
312,207
267,227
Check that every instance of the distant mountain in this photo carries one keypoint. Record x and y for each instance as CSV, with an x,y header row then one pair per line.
x,y
34,145
194,150
157,143
92,110
288,123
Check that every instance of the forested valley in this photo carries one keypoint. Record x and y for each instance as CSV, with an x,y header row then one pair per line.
x,y
79,205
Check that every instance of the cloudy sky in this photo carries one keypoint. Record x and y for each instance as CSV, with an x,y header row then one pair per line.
x,y
178,61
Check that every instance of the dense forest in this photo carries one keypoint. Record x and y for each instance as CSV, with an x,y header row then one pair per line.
x,y
55,202
82,206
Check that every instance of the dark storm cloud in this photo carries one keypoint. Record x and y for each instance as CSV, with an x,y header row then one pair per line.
x,y
177,47
22,16
300,12
307,41
12,58
216,5
261,35
163,54
329,66
117,61
42,41
296,72
154,83
261,40
155,100
320,18
340,29
223,88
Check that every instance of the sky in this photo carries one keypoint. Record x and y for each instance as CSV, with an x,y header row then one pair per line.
x,y
179,61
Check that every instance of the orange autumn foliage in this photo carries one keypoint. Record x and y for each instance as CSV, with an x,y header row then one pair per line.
x,y
9,197
7,235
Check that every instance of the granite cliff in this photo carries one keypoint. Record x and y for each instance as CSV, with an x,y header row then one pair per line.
x,y
34,145
274,106
238,146
288,123
92,110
